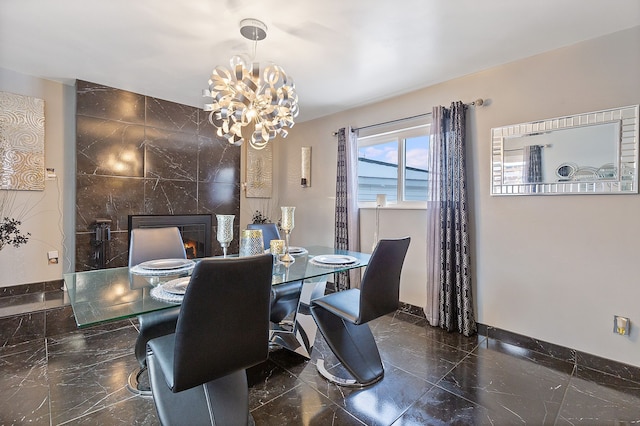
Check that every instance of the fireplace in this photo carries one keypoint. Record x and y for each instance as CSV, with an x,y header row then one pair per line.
x,y
194,228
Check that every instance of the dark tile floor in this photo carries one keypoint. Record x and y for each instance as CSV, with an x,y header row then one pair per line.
x,y
432,377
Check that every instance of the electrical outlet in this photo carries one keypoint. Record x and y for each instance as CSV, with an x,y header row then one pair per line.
x,y
621,325
52,257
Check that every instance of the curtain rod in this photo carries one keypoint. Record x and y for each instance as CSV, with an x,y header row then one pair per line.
x,y
478,102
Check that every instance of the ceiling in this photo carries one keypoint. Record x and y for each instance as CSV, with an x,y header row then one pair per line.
x,y
341,53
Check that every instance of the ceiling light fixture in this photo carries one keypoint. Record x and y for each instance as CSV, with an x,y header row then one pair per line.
x,y
244,96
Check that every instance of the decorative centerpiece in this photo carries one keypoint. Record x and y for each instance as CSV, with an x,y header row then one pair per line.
x,y
225,231
287,226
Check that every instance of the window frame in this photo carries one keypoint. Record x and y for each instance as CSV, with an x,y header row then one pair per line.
x,y
400,136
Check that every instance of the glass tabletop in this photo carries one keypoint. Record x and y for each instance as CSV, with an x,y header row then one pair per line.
x,y
111,294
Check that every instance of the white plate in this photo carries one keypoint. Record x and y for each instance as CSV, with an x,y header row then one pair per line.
x,y
297,250
165,264
177,286
335,259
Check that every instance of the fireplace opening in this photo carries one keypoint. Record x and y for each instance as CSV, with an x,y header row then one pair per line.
x,y
194,228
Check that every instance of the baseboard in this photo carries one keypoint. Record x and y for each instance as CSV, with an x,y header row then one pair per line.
x,y
580,359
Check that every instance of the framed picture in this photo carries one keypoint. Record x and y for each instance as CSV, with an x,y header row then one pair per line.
x,y
21,142
259,172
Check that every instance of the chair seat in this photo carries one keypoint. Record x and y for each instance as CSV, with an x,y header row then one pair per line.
x,y
345,304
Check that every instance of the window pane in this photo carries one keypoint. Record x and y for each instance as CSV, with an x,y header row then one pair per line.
x,y
416,175
378,171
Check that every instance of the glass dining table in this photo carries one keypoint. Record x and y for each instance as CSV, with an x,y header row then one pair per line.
x,y
106,295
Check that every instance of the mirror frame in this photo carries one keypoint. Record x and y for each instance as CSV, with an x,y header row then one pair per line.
x,y
626,182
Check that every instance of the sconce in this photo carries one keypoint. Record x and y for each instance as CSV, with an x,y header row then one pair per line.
x,y
305,167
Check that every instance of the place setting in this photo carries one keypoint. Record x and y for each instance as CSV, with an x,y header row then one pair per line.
x,y
162,267
172,291
333,260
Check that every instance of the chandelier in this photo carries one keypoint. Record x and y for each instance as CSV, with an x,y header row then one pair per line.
x,y
243,96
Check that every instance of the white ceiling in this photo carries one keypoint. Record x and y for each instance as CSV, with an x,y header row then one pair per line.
x,y
341,53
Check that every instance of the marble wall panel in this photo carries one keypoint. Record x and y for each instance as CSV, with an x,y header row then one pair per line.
x,y
219,161
107,147
171,116
186,169
96,100
170,197
219,198
107,197
171,155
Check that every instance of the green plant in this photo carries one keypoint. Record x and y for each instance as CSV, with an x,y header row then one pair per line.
x,y
10,233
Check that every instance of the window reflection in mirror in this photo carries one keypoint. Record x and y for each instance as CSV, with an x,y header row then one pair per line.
x,y
581,153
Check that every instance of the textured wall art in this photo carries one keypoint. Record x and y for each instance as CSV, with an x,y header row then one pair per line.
x,y
259,172
21,142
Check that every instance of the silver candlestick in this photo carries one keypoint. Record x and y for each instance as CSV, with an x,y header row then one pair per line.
x,y
287,226
225,231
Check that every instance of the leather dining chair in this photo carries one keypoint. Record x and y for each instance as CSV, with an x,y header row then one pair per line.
x,y
284,297
342,317
198,373
151,244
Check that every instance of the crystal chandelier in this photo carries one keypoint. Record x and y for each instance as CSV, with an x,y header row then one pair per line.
x,y
243,96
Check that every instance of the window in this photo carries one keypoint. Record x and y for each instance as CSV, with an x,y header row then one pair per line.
x,y
394,164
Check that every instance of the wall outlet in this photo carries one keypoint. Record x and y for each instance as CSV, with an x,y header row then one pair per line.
x,y
621,325
52,257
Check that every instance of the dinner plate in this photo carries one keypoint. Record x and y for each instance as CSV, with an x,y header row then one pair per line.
x,y
165,264
297,250
177,286
335,259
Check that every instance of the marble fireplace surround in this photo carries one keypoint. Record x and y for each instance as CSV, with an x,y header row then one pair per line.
x,y
138,155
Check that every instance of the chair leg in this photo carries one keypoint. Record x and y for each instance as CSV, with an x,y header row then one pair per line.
x,y
353,345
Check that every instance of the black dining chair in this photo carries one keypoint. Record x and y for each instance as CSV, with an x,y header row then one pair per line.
x,y
284,297
342,317
198,373
150,244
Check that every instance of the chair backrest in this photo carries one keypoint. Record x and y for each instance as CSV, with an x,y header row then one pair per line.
x,y
223,325
380,286
155,243
269,232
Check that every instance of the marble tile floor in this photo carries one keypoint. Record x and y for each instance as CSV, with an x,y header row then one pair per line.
x,y
431,378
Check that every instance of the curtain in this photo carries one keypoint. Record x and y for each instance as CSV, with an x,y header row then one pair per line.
x,y
448,244
347,234
532,164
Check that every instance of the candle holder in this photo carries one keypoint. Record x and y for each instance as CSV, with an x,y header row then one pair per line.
x,y
287,226
225,231
251,242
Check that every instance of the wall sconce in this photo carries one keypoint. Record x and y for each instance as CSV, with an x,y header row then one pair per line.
x,y
305,167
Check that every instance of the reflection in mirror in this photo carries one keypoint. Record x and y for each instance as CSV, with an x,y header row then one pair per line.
x,y
587,153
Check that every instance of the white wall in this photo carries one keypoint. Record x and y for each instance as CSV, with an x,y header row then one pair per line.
x,y
28,263
556,268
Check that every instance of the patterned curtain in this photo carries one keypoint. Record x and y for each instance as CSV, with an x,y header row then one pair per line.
x,y
532,164
449,248
347,218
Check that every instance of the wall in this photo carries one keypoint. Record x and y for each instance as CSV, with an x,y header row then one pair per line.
x,y
556,268
28,263
141,155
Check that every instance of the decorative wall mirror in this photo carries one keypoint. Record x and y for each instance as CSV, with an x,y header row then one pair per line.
x,y
590,153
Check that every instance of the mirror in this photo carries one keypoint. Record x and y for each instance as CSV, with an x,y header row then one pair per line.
x,y
588,153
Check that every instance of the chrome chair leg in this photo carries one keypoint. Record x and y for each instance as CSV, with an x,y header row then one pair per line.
x,y
340,381
133,383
